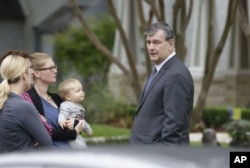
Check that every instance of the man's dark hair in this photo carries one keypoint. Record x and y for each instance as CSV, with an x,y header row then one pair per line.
x,y
153,28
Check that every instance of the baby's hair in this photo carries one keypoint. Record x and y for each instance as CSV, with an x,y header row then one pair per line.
x,y
65,86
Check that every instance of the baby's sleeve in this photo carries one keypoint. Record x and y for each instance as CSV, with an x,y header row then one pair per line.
x,y
87,127
64,112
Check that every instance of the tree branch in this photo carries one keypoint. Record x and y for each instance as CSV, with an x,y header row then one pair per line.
x,y
154,10
95,40
244,21
162,10
144,24
125,41
188,15
141,14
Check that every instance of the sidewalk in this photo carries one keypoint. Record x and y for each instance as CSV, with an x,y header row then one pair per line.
x,y
221,137
194,137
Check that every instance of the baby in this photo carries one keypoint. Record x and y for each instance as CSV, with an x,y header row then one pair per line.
x,y
71,91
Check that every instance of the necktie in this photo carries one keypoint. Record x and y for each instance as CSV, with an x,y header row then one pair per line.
x,y
151,78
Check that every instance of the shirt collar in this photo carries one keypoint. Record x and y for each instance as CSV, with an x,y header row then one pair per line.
x,y
158,67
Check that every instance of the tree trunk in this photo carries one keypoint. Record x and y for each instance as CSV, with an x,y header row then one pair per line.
x,y
180,23
212,61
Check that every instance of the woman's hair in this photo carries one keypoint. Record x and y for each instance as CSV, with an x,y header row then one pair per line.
x,y
38,60
65,86
12,65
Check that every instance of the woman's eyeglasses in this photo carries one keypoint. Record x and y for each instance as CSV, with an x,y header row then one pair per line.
x,y
49,68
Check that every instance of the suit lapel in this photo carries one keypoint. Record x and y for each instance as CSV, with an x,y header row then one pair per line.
x,y
156,79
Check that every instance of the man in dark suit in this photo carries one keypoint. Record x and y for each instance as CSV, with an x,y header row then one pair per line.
x,y
166,103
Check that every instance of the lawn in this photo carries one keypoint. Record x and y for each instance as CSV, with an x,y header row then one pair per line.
x,y
106,130
198,143
111,131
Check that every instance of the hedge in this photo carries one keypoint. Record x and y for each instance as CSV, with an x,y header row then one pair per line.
x,y
216,117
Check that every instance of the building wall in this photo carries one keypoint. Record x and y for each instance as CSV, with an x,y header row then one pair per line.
x,y
11,33
238,89
229,88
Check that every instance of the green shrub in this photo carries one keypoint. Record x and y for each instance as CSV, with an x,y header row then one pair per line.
x,y
100,105
215,117
102,108
76,55
239,130
245,113
125,115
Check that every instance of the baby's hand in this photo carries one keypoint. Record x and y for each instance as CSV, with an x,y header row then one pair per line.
x,y
62,124
89,133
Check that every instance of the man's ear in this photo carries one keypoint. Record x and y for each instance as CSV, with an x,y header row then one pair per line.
x,y
171,43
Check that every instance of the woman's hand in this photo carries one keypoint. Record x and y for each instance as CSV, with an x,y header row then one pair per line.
x,y
62,124
36,144
80,126
70,123
43,118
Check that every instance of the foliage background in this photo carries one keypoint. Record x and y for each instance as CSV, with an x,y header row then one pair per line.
x,y
74,52
76,56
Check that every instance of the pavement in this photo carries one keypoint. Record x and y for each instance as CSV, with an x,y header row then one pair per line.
x,y
222,137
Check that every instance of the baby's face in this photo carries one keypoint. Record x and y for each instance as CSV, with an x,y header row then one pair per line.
x,y
76,94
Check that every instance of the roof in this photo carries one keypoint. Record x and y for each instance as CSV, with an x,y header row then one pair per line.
x,y
11,10
50,15
46,16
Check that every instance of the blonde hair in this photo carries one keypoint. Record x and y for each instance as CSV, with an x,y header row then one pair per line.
x,y
38,60
65,86
13,65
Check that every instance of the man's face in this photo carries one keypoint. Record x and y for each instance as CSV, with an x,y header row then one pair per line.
x,y
158,48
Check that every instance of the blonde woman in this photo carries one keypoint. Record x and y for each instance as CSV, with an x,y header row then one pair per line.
x,y
71,91
47,103
20,125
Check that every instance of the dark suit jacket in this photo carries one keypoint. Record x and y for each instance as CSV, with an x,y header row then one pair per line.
x,y
164,110
56,134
